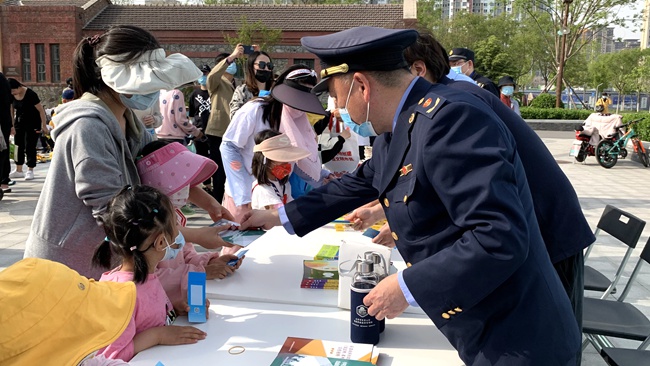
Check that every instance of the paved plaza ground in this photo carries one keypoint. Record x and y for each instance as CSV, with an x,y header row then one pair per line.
x,y
624,186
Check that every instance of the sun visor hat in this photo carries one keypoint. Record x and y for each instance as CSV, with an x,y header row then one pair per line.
x,y
279,148
149,73
295,92
173,167
52,315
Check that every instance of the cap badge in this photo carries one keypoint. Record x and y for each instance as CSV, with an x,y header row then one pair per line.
x,y
451,52
405,170
427,103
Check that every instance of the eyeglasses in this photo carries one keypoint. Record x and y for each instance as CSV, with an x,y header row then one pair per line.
x,y
263,65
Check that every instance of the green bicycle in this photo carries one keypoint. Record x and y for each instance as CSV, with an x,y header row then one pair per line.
x,y
613,147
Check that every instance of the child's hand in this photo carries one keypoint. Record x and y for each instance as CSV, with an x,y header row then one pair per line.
x,y
207,237
218,267
182,308
173,334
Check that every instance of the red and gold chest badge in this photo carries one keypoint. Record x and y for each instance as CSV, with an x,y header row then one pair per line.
x,y
427,103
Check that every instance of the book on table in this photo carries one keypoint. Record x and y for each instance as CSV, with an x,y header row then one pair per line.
x,y
321,274
328,252
317,352
241,237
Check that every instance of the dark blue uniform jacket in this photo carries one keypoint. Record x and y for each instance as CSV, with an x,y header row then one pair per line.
x,y
563,225
456,197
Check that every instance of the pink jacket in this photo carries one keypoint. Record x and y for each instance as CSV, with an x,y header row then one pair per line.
x,y
176,125
173,273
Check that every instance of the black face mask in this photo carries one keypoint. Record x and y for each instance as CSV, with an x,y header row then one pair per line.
x,y
263,75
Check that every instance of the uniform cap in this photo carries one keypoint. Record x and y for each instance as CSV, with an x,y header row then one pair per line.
x,y
461,54
506,80
360,48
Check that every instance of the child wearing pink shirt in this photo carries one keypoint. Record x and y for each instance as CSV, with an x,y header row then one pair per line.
x,y
140,227
175,123
172,169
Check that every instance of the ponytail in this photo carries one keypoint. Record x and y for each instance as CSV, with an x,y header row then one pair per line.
x,y
103,254
86,75
141,268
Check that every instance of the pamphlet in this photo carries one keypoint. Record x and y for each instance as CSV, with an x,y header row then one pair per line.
x,y
328,252
241,238
305,351
322,274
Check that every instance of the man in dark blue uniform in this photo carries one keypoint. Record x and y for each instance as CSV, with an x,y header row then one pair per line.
x,y
563,225
455,194
461,60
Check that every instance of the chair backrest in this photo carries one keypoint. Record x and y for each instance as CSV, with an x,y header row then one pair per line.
x,y
621,225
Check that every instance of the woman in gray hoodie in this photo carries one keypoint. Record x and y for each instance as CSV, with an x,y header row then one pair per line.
x,y
98,138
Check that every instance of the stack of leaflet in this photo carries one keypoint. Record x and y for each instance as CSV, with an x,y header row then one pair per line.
x,y
304,351
321,274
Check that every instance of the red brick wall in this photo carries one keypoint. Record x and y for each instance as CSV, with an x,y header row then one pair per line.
x,y
40,24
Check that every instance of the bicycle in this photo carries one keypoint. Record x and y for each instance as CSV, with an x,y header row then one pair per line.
x,y
609,150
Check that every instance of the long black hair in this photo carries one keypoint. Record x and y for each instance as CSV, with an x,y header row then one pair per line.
x,y
14,84
132,217
272,108
126,41
249,76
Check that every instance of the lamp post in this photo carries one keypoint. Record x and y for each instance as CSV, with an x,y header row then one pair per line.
x,y
560,68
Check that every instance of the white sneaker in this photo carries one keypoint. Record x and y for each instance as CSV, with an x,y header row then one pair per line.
x,y
29,175
16,174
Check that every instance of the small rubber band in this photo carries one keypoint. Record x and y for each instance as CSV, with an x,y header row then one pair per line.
x,y
233,350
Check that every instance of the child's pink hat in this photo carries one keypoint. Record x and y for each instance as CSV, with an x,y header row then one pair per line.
x,y
172,167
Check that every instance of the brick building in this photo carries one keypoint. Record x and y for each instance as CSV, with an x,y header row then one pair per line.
x,y
38,37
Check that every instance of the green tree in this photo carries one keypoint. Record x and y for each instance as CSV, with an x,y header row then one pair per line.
x,y
254,33
618,70
585,19
492,60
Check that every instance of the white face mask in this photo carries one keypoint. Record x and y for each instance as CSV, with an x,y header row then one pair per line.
x,y
179,199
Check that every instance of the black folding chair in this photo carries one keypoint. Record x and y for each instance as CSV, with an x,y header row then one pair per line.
x,y
616,318
625,357
623,226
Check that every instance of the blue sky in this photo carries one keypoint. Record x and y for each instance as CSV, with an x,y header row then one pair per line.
x,y
630,32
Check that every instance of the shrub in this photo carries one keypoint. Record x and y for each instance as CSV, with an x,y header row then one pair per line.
x,y
643,127
554,113
545,100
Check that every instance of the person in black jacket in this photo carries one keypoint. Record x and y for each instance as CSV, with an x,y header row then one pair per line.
x,y
461,60
5,125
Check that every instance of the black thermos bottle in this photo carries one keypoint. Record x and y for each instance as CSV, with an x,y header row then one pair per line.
x,y
363,327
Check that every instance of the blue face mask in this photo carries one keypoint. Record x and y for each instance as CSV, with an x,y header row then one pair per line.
x,y
140,101
365,129
171,253
507,90
457,69
232,69
203,80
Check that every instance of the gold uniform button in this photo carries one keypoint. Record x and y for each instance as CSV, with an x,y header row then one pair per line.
x,y
406,197
446,316
412,118
408,264
458,310
451,312
394,235
386,203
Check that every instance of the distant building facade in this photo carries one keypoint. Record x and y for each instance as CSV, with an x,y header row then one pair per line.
x,y
38,37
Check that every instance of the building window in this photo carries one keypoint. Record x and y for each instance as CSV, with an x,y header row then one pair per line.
x,y
40,62
55,63
304,61
26,61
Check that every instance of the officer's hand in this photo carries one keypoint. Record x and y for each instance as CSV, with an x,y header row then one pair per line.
x,y
260,218
365,216
386,300
385,237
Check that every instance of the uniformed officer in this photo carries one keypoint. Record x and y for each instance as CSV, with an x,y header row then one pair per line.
x,y
455,194
461,60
